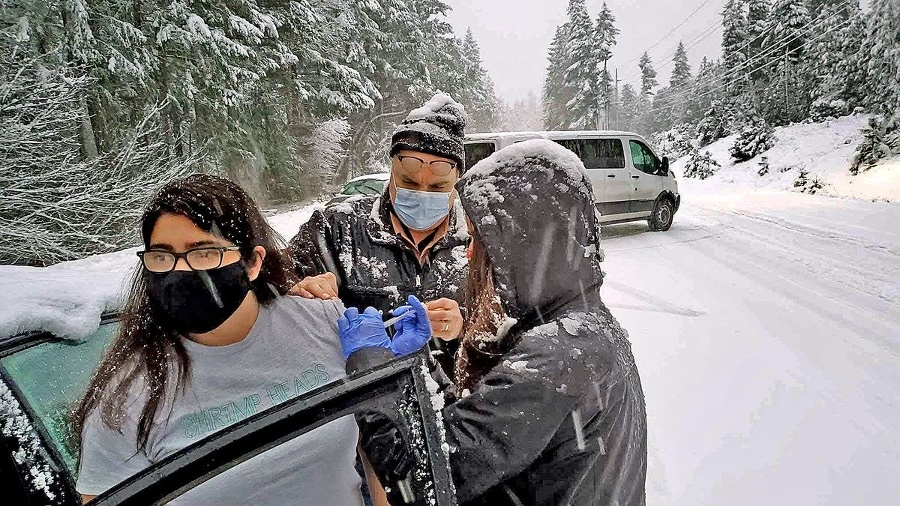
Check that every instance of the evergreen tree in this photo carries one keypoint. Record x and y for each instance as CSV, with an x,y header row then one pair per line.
x,y
630,110
757,18
787,32
648,75
249,82
851,74
581,69
478,98
522,115
784,96
883,28
605,38
704,91
556,91
826,58
734,34
681,72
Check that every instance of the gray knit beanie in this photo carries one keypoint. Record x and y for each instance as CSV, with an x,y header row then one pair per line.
x,y
437,128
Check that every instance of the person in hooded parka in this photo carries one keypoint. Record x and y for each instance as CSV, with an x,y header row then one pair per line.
x,y
547,406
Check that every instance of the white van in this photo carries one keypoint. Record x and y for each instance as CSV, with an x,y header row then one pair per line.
x,y
630,182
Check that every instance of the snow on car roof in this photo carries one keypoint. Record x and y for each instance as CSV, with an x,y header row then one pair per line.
x,y
380,176
66,299
550,134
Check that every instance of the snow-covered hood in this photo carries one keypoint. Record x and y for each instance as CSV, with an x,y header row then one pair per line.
x,y
532,205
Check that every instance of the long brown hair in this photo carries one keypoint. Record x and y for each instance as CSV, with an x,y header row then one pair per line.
x,y
481,347
145,348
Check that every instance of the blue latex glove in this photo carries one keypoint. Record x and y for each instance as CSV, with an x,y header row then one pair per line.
x,y
358,331
413,332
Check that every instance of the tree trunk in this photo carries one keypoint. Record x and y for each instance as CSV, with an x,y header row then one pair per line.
x,y
86,132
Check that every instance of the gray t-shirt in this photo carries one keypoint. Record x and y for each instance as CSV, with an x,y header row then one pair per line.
x,y
292,348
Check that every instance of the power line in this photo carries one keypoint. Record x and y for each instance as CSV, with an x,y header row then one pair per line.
x,y
709,30
664,37
776,47
726,84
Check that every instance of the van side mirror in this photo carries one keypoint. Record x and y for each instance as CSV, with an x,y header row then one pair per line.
x,y
665,166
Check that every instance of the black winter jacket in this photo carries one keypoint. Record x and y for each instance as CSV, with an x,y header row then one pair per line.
x,y
375,267
568,362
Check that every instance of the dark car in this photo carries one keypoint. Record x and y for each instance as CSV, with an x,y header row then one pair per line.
x,y
370,184
42,376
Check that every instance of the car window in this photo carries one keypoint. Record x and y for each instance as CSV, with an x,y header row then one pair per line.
x,y
51,377
478,151
597,153
643,159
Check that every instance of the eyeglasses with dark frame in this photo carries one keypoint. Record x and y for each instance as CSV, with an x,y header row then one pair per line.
x,y
414,164
197,259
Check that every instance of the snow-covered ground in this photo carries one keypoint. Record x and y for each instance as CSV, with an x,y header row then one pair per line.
x,y
824,149
766,327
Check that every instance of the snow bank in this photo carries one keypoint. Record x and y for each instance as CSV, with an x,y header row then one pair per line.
x,y
824,149
287,223
67,299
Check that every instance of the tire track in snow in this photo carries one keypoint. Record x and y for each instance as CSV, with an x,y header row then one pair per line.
x,y
653,302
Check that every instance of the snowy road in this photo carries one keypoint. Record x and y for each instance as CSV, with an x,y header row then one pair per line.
x,y
767,332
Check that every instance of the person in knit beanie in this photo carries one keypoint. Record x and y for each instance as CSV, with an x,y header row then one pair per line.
x,y
437,128
411,240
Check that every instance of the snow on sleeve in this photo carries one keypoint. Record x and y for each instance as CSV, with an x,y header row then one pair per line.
x,y
66,299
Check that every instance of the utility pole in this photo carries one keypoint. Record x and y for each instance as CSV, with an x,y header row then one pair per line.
x,y
618,105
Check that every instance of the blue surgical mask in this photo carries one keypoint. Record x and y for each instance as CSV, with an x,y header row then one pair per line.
x,y
421,210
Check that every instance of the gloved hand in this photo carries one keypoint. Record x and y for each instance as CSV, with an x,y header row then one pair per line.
x,y
358,331
413,332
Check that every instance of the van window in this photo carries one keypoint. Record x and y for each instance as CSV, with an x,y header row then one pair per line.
x,y
643,159
478,151
597,153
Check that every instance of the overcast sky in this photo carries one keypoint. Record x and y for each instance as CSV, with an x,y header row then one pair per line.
x,y
514,36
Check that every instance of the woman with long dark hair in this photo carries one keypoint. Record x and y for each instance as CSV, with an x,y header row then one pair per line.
x,y
547,408
208,338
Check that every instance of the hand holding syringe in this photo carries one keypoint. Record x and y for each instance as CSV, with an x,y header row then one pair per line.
x,y
390,322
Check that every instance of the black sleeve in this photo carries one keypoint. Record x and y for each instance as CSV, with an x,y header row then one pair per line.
x,y
312,248
497,432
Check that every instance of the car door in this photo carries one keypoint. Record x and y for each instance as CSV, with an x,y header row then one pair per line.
x,y
42,376
604,160
644,172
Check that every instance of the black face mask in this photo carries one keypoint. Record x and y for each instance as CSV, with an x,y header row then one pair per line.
x,y
197,302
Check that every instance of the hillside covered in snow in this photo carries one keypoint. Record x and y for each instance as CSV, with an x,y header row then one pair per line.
x,y
824,150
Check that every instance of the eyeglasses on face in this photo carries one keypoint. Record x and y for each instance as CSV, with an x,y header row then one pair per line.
x,y
414,164
197,259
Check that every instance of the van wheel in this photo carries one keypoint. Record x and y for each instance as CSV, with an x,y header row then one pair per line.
x,y
663,214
